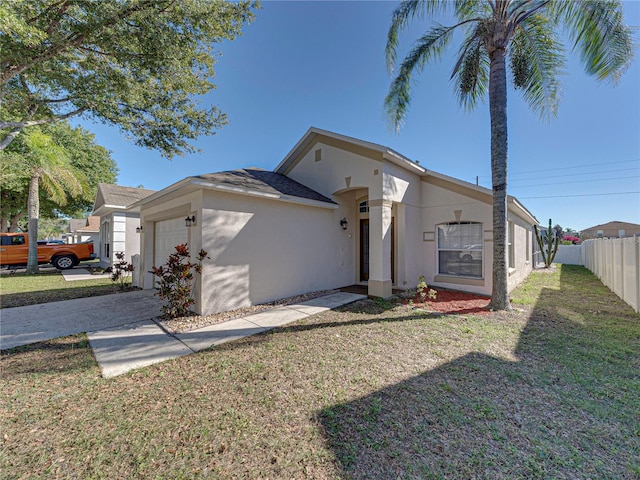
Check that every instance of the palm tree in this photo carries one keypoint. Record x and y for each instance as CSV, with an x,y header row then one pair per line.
x,y
47,166
525,31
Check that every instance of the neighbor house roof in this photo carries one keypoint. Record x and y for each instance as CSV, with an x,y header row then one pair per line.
x,y
76,223
86,225
117,197
615,225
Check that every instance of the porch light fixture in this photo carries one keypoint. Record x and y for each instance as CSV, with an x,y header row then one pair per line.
x,y
191,220
344,224
139,229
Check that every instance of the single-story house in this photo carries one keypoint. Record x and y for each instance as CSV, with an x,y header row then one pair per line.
x,y
84,230
119,225
615,229
336,211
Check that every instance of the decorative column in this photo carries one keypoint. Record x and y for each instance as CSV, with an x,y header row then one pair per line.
x,y
380,248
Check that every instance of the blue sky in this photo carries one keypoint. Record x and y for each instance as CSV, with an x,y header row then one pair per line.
x,y
321,63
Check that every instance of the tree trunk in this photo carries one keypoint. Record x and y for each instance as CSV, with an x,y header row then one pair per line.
x,y
498,112
34,214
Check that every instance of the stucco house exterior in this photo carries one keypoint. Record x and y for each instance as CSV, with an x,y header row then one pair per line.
x,y
118,223
615,229
336,211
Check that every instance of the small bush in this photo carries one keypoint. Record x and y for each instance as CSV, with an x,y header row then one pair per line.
x,y
423,290
175,281
121,271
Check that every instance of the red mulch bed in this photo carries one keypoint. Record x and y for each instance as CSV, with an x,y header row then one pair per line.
x,y
452,302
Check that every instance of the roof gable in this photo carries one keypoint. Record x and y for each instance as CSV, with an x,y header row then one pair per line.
x,y
118,196
363,148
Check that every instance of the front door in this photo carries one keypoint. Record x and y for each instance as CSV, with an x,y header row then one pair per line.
x,y
364,249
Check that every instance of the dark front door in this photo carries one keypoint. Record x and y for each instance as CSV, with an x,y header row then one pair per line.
x,y
364,249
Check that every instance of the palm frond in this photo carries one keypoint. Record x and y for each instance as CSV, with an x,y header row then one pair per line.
x,y
599,33
465,9
400,18
471,71
428,47
537,60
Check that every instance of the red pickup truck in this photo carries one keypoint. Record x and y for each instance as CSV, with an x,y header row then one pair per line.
x,y
14,250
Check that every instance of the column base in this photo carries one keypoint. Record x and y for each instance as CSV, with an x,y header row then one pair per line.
x,y
380,288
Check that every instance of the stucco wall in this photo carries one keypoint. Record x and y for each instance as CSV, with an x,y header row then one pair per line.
x,y
132,238
522,251
338,170
439,205
262,250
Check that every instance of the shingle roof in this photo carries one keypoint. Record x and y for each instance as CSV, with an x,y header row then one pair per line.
x,y
265,181
120,196
89,224
76,223
616,224
92,224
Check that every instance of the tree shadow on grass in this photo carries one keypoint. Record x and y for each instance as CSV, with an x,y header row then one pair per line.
x,y
60,355
567,408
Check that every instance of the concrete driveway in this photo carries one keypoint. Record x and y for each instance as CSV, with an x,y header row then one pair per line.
x,y
36,323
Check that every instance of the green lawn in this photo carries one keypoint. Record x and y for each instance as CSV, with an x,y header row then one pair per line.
x,y
20,289
550,390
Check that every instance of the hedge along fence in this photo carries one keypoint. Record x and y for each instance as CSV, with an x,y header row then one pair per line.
x,y
616,262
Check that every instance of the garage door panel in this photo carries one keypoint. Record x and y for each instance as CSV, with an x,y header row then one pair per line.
x,y
168,234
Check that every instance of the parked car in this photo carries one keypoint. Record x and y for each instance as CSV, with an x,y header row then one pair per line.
x,y
14,250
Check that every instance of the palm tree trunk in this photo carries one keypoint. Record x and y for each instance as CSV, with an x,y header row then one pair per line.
x,y
498,112
34,214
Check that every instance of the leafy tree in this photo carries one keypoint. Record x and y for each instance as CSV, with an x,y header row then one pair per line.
x,y
91,162
46,165
526,33
137,64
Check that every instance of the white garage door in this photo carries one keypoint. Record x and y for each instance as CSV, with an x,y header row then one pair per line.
x,y
169,233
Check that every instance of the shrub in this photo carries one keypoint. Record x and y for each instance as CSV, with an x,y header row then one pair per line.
x,y
570,240
424,291
175,278
121,271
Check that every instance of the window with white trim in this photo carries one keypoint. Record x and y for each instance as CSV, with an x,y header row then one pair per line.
x,y
364,207
460,247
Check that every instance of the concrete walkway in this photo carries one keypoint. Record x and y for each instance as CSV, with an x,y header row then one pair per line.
x,y
124,336
82,274
121,349
44,321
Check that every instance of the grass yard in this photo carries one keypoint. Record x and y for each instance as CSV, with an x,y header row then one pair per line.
x,y
373,390
20,289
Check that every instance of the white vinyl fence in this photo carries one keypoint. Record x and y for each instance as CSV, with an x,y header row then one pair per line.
x,y
616,262
570,254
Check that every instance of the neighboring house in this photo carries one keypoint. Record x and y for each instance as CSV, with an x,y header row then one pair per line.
x,y
117,223
613,229
336,211
84,230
